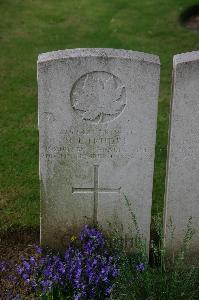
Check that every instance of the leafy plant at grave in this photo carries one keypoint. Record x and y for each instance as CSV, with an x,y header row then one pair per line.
x,y
159,279
95,268
85,271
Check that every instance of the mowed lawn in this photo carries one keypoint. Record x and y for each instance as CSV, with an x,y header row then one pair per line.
x,y
30,27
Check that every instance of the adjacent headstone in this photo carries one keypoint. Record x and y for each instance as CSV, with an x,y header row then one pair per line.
x,y
182,186
97,130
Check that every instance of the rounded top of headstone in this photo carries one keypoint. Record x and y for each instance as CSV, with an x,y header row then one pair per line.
x,y
98,52
185,57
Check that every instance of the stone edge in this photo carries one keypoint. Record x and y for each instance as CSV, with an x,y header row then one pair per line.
x,y
98,52
185,57
178,59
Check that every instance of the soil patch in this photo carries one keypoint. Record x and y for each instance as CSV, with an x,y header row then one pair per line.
x,y
190,18
14,245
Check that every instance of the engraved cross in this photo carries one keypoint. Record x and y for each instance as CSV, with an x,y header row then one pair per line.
x,y
95,190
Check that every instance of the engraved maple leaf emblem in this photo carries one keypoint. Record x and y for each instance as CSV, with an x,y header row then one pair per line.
x,y
99,97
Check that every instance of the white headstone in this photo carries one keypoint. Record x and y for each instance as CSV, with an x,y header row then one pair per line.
x,y
97,129
182,186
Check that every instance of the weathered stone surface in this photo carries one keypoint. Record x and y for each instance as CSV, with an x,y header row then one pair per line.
x,y
182,186
97,128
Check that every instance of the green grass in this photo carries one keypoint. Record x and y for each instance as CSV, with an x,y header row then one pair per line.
x,y
31,27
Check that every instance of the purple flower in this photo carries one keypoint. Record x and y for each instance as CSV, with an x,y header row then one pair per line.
x,y
140,267
61,268
33,284
90,268
86,267
108,291
77,297
115,272
26,278
92,239
42,261
19,270
47,272
32,261
46,284
26,266
38,249
2,266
